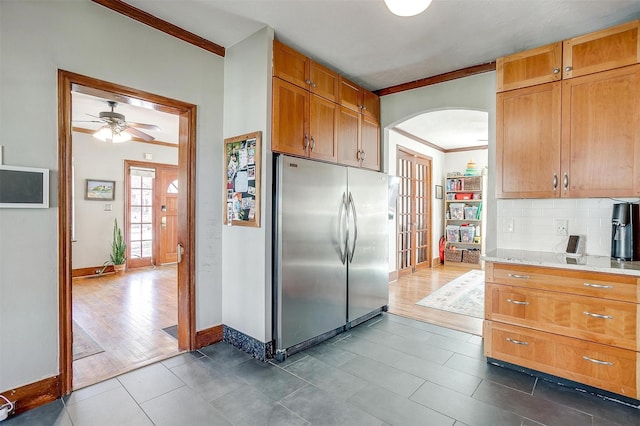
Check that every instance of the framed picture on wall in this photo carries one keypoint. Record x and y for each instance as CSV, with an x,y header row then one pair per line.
x,y
100,190
439,192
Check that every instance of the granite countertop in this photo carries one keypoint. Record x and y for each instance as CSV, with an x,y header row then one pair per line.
x,y
560,260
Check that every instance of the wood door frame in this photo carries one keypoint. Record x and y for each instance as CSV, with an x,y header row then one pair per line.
x,y
68,82
127,204
428,263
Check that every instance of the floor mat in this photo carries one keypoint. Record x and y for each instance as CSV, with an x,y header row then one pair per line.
x,y
83,344
464,295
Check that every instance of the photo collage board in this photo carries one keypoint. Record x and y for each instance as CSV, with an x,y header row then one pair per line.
x,y
242,180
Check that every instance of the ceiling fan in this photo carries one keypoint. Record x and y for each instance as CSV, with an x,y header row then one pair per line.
x,y
116,129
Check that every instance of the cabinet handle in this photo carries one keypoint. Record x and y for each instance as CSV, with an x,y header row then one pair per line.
x,y
556,70
364,155
555,181
306,142
567,69
523,277
364,107
596,285
313,143
516,342
596,361
591,314
566,181
517,302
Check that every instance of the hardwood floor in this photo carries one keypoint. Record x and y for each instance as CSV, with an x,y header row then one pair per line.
x,y
410,288
125,314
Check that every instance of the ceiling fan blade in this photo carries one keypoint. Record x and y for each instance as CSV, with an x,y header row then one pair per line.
x,y
88,121
143,126
139,134
95,116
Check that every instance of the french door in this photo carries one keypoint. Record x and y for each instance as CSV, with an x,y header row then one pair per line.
x,y
413,212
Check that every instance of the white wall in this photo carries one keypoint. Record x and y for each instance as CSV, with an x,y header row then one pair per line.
x,y
246,266
36,39
457,161
94,159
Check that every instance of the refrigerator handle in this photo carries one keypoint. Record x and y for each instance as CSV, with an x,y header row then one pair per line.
x,y
343,228
355,227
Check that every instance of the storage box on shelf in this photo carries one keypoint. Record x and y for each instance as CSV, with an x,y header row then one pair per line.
x,y
577,325
464,218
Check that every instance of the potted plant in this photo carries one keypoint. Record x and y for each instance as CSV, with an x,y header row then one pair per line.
x,y
118,248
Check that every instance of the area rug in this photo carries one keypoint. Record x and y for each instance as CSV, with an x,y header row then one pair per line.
x,y
83,344
464,295
172,331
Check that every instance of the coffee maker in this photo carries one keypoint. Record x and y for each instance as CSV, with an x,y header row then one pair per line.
x,y
625,232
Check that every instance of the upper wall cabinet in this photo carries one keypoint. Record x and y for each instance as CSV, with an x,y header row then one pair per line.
x,y
296,68
603,50
587,54
535,66
320,115
359,129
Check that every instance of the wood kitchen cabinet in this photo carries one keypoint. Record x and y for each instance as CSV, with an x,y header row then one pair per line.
x,y
602,50
578,137
300,70
574,324
601,134
528,137
535,66
304,124
359,128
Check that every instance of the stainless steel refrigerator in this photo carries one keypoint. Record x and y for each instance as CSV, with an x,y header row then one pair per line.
x,y
330,250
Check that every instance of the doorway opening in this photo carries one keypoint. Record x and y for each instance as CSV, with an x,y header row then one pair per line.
x,y
183,200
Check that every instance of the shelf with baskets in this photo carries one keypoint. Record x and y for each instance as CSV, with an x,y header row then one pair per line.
x,y
464,219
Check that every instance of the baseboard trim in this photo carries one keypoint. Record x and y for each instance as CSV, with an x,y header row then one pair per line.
x,y
91,271
393,276
209,336
35,394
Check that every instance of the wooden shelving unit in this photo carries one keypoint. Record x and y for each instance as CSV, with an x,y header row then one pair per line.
x,y
464,219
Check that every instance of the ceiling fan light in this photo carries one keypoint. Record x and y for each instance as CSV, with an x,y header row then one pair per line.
x,y
407,7
106,134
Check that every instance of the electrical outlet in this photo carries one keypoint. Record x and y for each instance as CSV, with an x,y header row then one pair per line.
x,y
562,227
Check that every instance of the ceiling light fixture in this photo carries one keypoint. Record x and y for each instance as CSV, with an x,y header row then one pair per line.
x,y
407,7
112,134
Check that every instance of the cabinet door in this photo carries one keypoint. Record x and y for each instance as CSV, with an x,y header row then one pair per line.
x,y
371,105
348,137
324,129
370,143
350,95
290,118
535,66
528,142
601,134
323,82
602,50
290,65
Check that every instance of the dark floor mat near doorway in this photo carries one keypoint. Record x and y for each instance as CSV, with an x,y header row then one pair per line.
x,y
172,331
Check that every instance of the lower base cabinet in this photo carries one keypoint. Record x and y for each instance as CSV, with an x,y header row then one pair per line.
x,y
555,321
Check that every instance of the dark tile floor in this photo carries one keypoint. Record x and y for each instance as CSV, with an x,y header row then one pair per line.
x,y
387,371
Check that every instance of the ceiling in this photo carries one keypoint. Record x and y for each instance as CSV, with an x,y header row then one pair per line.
x,y
363,41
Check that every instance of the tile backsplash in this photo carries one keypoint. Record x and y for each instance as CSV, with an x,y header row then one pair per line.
x,y
530,224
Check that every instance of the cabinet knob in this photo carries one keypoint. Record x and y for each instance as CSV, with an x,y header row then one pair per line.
x,y
308,82
306,142
555,181
556,70
364,107
313,84
313,143
567,69
363,155
566,181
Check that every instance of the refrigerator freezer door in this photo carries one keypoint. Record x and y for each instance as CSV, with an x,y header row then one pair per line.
x,y
311,293
368,280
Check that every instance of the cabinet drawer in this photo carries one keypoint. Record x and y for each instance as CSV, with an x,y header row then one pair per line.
x,y
601,366
603,321
608,286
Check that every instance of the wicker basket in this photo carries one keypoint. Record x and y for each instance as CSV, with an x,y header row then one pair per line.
x,y
471,256
453,255
472,183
